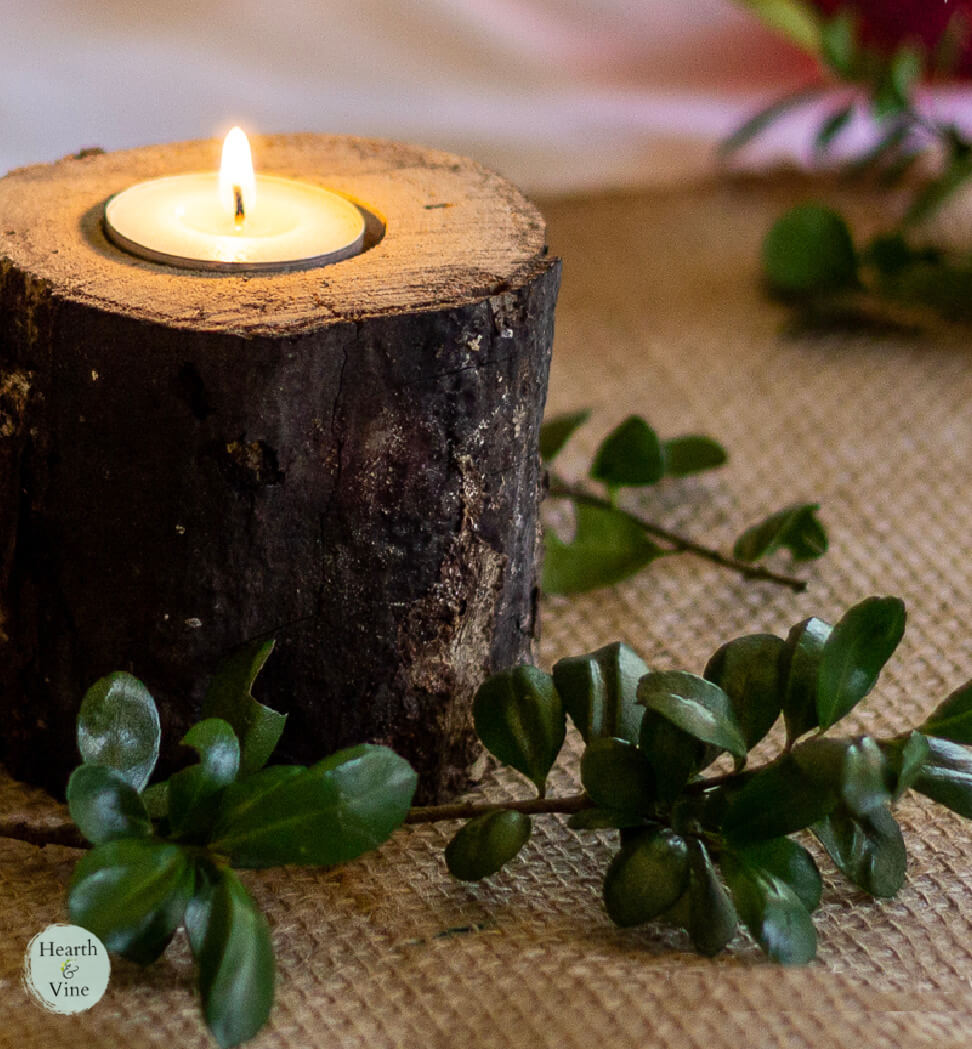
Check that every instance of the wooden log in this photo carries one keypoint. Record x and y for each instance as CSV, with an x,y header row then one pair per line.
x,y
344,459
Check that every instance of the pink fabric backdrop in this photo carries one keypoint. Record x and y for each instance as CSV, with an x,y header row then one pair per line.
x,y
557,94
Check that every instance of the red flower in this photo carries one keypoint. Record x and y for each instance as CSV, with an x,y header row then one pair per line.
x,y
887,23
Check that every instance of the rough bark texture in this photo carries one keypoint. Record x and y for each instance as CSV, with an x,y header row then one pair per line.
x,y
344,459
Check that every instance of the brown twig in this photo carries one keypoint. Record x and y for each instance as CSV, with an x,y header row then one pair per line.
x,y
561,490
52,834
465,810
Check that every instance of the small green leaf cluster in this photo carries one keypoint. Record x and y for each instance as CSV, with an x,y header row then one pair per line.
x,y
711,853
874,82
611,543
164,854
809,255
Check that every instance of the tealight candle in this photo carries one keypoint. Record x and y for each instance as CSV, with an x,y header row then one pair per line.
x,y
234,219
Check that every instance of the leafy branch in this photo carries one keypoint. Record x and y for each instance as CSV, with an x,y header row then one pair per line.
x,y
810,256
611,543
712,853
164,855
708,852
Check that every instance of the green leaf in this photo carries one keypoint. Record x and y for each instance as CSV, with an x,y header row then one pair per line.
x,y
132,894
155,798
600,691
557,431
712,917
907,66
608,546
799,670
748,671
674,755
757,124
772,912
617,775
952,719
788,862
795,19
519,716
867,849
192,794
236,968
794,528
935,193
692,454
832,127
778,800
603,819
809,251
947,776
855,653
864,787
630,455
838,39
905,759
105,806
486,843
646,877
326,814
118,727
694,705
229,697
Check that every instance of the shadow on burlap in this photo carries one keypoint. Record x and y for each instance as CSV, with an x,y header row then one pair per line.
x,y
660,314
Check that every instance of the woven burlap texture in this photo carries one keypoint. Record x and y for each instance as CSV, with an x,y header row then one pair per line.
x,y
661,314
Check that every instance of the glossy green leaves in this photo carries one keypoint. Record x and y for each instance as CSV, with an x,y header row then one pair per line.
x,y
631,455
519,716
771,909
161,852
105,806
799,668
617,775
646,877
557,431
192,797
809,251
855,653
748,671
485,844
132,893
694,705
329,813
234,953
952,720
608,546
229,697
600,691
795,528
118,727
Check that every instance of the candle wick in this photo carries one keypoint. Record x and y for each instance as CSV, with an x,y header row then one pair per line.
x,y
239,212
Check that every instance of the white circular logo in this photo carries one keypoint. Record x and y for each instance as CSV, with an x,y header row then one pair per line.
x,y
66,969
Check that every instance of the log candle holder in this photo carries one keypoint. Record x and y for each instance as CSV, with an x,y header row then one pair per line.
x,y
342,458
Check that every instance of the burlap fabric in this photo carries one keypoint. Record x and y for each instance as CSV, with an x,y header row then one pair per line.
x,y
661,314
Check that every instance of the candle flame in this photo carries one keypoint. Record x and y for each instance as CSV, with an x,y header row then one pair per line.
x,y
237,183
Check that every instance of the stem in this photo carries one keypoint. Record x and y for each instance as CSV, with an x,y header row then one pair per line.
x,y
54,834
560,490
464,810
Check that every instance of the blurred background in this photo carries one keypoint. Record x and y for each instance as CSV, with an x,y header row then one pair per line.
x,y
556,94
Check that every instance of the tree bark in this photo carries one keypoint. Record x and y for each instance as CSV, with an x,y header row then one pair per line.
x,y
343,459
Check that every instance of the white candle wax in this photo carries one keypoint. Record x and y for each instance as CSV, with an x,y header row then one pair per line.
x,y
179,221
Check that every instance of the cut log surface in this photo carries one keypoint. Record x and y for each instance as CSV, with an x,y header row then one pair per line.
x,y
343,458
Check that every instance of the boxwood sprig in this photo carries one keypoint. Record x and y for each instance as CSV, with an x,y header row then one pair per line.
x,y
165,854
713,853
612,542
